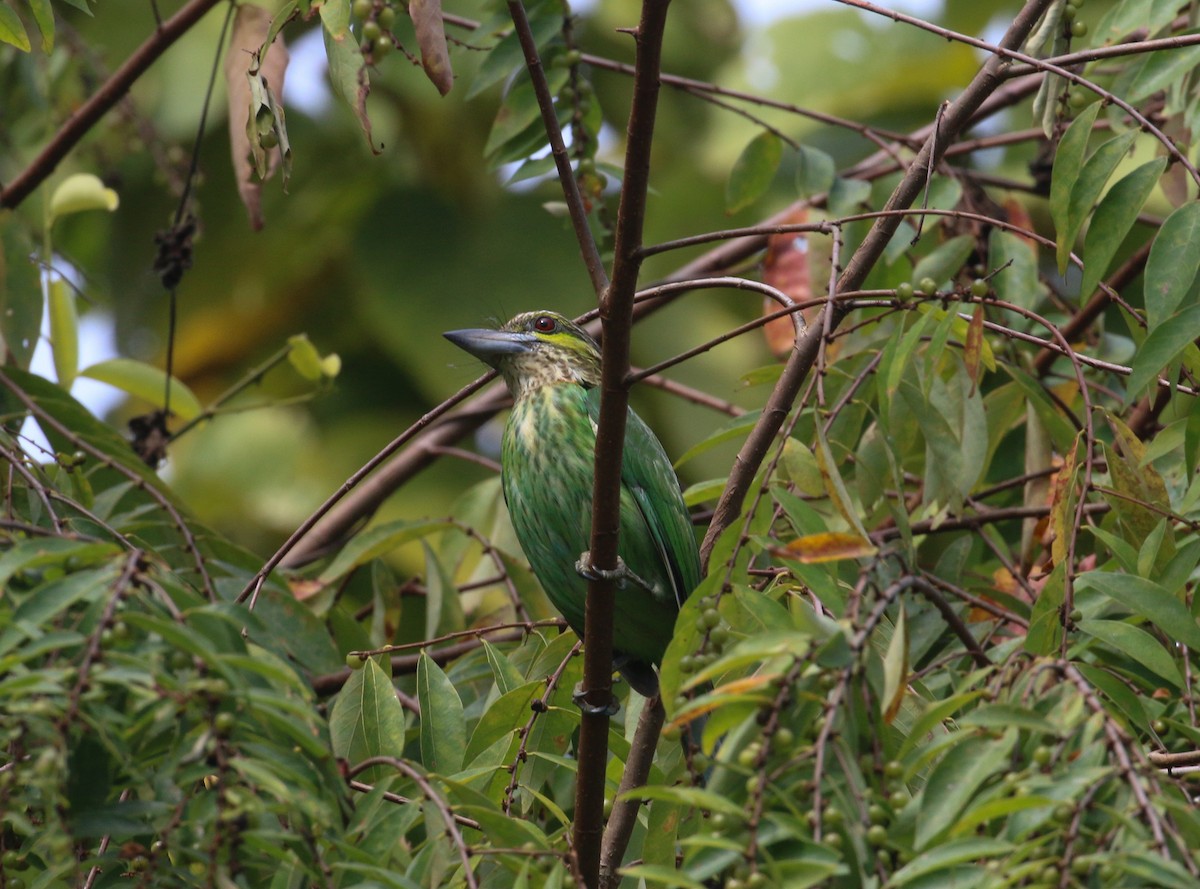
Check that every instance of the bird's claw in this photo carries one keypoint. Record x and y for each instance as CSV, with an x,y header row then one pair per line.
x,y
580,697
621,575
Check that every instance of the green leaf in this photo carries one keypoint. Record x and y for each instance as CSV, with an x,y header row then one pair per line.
x,y
1045,622
1141,647
375,542
367,719
1086,190
1114,218
661,875
349,79
1117,690
895,669
43,14
948,855
507,55
1171,268
1146,598
1006,716
504,716
507,676
753,171
145,382
443,729
1163,69
335,16
12,31
955,780
1068,161
79,193
815,171
693,797
945,260
1016,280
1162,347
64,330
20,298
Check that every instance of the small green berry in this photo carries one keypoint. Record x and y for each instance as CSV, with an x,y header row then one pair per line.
x,y
371,31
877,814
927,286
904,291
224,723
1159,726
979,288
833,817
1049,875
386,18
782,740
712,617
877,835
1069,11
1079,28
354,662
1042,755
893,768
1063,812
362,8
748,755
898,799
572,57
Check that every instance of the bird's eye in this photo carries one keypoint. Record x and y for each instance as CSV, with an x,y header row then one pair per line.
x,y
545,324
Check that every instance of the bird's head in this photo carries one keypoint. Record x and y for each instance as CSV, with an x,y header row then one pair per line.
x,y
534,349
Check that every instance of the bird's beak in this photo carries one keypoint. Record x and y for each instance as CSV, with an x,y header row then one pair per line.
x,y
490,346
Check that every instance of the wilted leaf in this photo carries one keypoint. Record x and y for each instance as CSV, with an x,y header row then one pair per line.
x,y
431,38
786,268
251,85
830,546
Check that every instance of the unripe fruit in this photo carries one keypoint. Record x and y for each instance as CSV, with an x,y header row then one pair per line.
x,y
362,8
927,286
354,662
371,31
1079,28
1042,755
904,291
893,769
979,288
877,835
386,17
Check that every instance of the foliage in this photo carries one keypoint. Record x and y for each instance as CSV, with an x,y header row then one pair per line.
x,y
945,637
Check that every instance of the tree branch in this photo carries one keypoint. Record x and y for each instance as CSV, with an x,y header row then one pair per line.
x,y
804,352
616,319
625,811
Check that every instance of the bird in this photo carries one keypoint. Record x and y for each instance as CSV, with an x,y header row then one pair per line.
x,y
552,369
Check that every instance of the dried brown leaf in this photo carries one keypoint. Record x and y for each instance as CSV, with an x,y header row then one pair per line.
x,y
786,268
251,27
431,38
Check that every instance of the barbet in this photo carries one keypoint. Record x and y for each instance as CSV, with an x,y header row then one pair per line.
x,y
552,368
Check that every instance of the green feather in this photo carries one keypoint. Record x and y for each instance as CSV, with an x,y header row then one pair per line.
x,y
552,366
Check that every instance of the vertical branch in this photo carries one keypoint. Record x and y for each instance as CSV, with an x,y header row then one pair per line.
x,y
956,117
558,148
616,317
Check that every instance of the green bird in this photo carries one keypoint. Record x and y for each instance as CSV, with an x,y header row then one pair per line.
x,y
552,368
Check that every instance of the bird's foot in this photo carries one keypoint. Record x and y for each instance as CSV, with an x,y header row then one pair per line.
x,y
621,575
580,697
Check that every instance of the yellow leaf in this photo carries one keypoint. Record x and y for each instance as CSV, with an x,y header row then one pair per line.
x,y
830,546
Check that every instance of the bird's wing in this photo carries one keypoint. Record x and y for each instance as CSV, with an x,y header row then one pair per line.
x,y
647,474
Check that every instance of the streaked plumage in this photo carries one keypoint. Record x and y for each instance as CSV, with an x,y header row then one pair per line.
x,y
552,368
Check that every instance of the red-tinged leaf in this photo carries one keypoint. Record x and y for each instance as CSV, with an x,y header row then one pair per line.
x,y
786,268
251,86
431,37
1062,503
973,347
830,546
